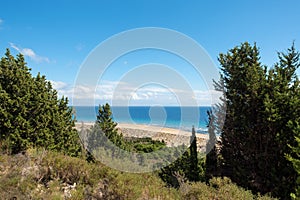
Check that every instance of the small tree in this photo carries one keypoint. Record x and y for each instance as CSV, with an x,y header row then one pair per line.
x,y
104,130
106,123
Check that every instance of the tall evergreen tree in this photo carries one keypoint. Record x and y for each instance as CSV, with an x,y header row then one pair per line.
x,y
16,83
294,158
294,125
242,75
211,161
216,117
31,114
256,134
282,116
194,173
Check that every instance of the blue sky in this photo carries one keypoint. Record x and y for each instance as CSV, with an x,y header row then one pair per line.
x,y
57,36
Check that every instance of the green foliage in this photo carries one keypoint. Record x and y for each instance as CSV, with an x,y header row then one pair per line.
x,y
104,134
31,115
182,166
295,159
40,174
189,164
144,145
217,188
194,168
211,161
216,118
261,116
104,128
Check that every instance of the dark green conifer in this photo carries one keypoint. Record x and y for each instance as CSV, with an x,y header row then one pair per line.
x,y
261,115
194,174
211,161
31,114
103,130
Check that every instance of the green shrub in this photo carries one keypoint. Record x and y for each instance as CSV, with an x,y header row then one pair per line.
x,y
218,188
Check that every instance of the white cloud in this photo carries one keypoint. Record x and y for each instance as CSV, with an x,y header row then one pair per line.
x,y
120,93
30,53
207,97
59,85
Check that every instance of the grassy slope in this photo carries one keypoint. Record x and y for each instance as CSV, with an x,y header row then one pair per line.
x,y
48,175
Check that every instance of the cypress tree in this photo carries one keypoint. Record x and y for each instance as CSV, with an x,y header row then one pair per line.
x,y
216,117
211,161
194,173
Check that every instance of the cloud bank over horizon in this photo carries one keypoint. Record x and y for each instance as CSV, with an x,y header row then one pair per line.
x,y
129,95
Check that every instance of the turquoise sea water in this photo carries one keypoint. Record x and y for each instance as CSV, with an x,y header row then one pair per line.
x,y
174,117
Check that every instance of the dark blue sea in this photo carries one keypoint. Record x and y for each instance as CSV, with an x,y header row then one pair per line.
x,y
173,117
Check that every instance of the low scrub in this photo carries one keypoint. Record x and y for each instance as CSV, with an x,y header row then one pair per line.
x,y
40,174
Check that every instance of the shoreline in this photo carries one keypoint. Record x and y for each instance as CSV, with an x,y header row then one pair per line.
x,y
145,127
171,136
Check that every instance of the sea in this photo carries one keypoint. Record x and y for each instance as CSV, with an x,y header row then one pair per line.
x,y
183,118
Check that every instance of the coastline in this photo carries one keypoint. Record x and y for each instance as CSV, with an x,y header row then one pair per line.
x,y
171,136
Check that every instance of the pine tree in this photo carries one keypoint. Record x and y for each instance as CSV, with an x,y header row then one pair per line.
x,y
106,123
16,83
260,119
105,128
31,114
242,75
282,120
294,125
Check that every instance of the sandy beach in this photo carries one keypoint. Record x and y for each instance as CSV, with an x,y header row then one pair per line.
x,y
171,136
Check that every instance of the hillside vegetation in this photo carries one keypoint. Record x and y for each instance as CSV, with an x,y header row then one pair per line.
x,y
43,157
41,174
